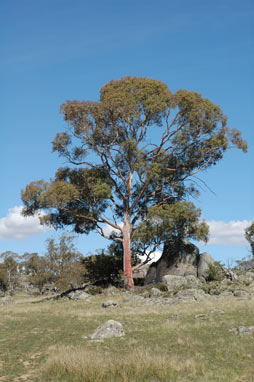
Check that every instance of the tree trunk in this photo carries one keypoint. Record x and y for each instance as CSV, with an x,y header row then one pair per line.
x,y
252,249
127,251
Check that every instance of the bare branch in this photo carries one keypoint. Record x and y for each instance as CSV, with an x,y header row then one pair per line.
x,y
110,223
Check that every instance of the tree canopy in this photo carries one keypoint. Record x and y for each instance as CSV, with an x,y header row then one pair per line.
x,y
249,235
61,264
132,160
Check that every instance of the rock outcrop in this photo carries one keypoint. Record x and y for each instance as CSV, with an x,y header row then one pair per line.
x,y
140,273
204,259
179,258
174,282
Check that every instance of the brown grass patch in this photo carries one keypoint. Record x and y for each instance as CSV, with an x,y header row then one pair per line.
x,y
77,364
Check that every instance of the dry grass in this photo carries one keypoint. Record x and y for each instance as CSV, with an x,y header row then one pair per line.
x,y
79,364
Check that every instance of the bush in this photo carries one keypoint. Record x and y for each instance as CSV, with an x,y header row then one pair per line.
x,y
213,287
214,272
4,282
103,270
162,287
93,290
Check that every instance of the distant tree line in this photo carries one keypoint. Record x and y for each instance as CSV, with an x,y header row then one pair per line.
x,y
61,267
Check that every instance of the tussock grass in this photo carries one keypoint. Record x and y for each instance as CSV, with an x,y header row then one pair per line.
x,y
79,365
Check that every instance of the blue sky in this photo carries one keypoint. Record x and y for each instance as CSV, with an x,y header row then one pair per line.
x,y
54,50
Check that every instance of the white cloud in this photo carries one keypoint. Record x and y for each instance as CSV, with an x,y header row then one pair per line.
x,y
231,233
154,257
108,230
221,233
16,227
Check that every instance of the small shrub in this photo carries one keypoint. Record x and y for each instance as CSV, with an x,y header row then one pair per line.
x,y
93,290
4,282
143,291
213,287
103,269
162,287
214,272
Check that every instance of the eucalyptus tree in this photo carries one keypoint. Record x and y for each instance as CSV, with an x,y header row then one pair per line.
x,y
64,261
249,235
10,260
132,156
4,280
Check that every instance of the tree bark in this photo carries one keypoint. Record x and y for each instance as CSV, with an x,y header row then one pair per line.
x,y
127,251
252,249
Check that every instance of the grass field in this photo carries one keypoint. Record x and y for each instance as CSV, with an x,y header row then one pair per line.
x,y
43,342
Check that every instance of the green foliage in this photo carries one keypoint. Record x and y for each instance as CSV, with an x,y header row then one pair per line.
x,y
9,255
94,290
162,287
40,279
214,272
4,281
61,265
10,261
62,253
72,276
249,235
177,220
64,262
213,287
103,269
38,270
